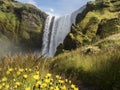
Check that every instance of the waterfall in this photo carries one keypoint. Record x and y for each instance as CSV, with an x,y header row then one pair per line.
x,y
61,28
55,31
46,35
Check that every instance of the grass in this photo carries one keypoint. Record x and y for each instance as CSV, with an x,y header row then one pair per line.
x,y
92,67
32,79
28,72
99,70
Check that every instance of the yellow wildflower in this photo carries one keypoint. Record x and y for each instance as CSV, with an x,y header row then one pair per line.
x,y
25,76
39,82
28,88
4,79
47,80
36,77
51,83
49,75
18,83
7,72
18,73
56,88
37,85
51,79
60,77
1,86
30,70
15,86
21,69
76,88
61,81
66,80
57,76
37,72
51,88
72,86
70,81
44,85
10,69
63,87
7,86
14,79
26,69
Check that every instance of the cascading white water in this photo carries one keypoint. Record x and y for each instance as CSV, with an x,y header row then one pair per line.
x,y
46,35
55,31
61,28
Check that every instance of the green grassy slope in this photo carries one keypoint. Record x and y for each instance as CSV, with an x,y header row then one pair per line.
x,y
95,39
100,70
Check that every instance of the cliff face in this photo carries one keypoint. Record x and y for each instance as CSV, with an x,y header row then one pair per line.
x,y
100,19
21,23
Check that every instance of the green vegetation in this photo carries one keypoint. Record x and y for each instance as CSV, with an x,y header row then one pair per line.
x,y
29,79
99,20
22,24
96,34
17,73
98,69
89,56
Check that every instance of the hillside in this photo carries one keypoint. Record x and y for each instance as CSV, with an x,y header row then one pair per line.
x,y
100,19
90,53
89,58
20,25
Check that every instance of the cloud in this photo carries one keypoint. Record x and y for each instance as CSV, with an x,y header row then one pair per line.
x,y
28,1
51,10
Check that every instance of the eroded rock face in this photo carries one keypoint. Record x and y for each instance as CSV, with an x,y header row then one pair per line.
x,y
32,23
108,27
99,20
21,24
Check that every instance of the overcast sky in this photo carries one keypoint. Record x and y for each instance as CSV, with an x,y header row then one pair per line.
x,y
57,7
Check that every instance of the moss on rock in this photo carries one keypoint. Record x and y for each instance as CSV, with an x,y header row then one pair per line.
x,y
99,20
109,27
21,23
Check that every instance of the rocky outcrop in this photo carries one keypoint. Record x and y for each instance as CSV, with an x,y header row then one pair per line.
x,y
99,20
21,24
